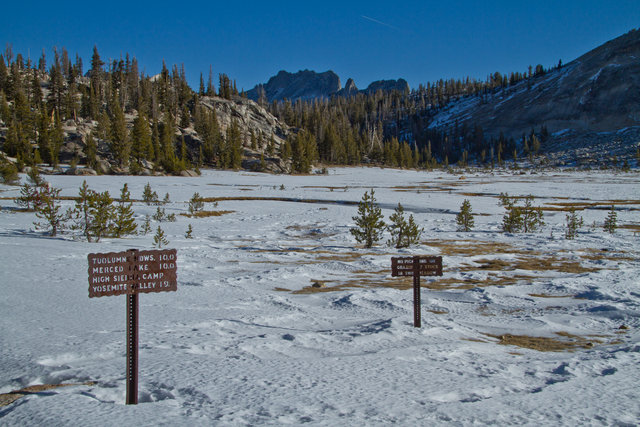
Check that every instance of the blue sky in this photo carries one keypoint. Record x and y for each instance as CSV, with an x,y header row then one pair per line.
x,y
367,41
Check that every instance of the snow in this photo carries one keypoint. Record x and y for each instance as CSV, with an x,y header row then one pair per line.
x,y
229,349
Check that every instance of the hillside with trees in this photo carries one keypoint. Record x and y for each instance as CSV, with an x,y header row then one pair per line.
x,y
112,118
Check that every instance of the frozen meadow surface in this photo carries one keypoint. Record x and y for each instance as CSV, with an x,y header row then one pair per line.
x,y
247,340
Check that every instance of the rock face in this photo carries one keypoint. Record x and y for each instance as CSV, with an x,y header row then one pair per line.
x,y
400,85
301,85
307,85
598,92
248,115
349,89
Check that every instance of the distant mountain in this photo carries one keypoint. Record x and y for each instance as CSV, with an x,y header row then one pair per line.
x,y
308,84
597,94
304,85
400,85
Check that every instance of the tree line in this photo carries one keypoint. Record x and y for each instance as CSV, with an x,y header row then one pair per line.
x,y
137,119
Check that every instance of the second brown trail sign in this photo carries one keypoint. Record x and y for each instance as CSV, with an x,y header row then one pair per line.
x,y
416,266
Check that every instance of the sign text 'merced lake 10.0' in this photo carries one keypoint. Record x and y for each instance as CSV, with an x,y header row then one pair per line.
x,y
118,273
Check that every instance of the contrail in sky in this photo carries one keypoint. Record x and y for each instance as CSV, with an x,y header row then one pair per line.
x,y
379,22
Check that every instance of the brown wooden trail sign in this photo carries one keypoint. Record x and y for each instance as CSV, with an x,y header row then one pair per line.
x,y
416,266
118,273
131,273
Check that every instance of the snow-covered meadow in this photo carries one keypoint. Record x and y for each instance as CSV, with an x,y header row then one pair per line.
x,y
248,340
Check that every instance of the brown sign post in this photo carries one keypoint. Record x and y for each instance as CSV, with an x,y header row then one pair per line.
x,y
416,266
131,273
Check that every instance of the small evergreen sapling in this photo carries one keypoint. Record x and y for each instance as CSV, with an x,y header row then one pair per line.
x,y
149,196
124,222
369,223
196,204
146,225
48,210
29,198
189,233
518,219
102,213
464,219
81,213
611,221
159,239
403,233
573,224
512,220
532,217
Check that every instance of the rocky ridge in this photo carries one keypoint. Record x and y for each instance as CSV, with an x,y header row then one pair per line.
x,y
306,85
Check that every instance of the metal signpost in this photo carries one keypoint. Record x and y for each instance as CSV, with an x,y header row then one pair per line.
x,y
416,266
131,273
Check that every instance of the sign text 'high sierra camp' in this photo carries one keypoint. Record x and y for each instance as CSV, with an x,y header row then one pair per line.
x,y
133,271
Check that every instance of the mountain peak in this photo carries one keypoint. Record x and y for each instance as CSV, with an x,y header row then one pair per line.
x,y
305,84
308,84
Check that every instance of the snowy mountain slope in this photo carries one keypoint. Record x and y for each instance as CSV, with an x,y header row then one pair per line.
x,y
246,340
597,92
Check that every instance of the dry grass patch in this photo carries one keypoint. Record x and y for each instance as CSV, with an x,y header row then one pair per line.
x,y
551,296
580,206
278,199
206,214
564,342
534,262
632,227
476,247
12,396
593,254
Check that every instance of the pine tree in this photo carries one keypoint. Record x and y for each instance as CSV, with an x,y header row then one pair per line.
x,y
464,219
512,220
146,225
520,218
196,204
48,210
403,233
189,233
573,224
82,212
149,196
124,222
159,239
611,221
102,213
56,140
120,142
532,217
141,145
91,151
29,197
369,223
